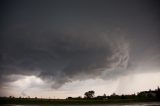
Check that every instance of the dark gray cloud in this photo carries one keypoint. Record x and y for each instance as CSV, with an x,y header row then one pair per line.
x,y
63,56
65,41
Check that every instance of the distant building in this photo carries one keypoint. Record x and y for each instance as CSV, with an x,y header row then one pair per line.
x,y
150,93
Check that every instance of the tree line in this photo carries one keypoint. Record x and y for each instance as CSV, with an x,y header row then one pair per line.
x,y
151,94
90,95
89,98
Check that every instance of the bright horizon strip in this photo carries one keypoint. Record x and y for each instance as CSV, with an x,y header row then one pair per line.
x,y
33,86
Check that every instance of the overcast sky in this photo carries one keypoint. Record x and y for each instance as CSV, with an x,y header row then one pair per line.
x,y
61,48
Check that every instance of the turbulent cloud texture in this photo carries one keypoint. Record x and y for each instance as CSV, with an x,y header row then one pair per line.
x,y
61,44
62,57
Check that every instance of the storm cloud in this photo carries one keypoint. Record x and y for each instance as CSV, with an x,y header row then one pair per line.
x,y
62,42
63,56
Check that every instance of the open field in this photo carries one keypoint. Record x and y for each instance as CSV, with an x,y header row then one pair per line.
x,y
71,102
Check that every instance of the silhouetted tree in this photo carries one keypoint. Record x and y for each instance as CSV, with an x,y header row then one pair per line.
x,y
69,98
89,94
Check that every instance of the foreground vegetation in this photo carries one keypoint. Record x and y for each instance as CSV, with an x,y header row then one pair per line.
x,y
63,101
144,96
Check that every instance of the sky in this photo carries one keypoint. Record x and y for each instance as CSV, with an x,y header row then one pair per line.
x,y
61,48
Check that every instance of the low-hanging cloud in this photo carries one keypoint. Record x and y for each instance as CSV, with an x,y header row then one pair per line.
x,y
63,42
63,57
